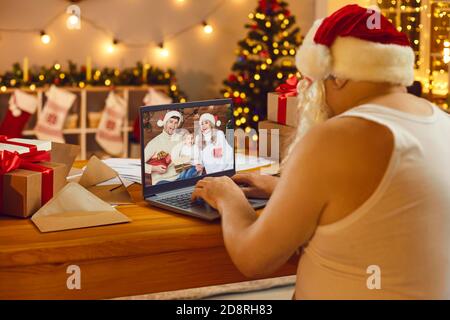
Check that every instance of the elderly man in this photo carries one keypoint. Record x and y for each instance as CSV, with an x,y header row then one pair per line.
x,y
365,193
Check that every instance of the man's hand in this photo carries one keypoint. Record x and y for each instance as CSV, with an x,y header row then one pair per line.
x,y
218,191
256,185
159,169
199,168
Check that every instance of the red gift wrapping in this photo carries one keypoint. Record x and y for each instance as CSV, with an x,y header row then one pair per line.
x,y
285,90
160,162
10,161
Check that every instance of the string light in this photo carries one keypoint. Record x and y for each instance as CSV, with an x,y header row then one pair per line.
x,y
163,51
110,48
207,28
73,20
45,38
446,51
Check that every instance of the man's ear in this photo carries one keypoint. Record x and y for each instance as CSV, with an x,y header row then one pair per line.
x,y
339,83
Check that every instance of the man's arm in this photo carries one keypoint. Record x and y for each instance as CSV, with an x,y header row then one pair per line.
x,y
260,246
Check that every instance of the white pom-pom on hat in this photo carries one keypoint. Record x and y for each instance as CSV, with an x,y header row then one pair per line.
x,y
160,123
211,118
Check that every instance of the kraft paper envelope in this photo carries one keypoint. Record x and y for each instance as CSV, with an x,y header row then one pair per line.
x,y
74,207
97,172
64,153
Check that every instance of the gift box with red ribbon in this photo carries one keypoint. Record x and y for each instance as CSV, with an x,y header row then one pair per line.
x,y
161,159
27,177
282,104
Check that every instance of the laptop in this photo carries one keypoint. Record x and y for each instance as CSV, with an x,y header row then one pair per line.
x,y
182,143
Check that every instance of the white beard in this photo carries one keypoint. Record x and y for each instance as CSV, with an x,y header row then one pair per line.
x,y
312,109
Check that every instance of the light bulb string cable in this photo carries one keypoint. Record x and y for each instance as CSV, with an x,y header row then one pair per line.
x,y
111,34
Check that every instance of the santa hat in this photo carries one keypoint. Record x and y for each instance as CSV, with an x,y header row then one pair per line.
x,y
170,114
348,45
209,117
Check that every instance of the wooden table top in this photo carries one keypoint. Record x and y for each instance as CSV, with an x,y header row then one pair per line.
x,y
158,251
152,230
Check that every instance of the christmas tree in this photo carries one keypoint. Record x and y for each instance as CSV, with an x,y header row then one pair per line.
x,y
265,59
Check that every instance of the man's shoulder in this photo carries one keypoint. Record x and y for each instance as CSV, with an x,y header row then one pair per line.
x,y
345,140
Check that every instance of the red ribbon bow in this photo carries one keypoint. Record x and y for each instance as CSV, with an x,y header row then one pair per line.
x,y
285,90
10,161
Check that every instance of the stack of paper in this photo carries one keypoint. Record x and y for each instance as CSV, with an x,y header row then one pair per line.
x,y
250,162
128,169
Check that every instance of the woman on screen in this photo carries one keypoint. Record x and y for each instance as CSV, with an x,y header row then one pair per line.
x,y
216,153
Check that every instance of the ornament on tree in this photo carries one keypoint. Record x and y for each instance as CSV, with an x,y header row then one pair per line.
x,y
51,119
109,134
21,106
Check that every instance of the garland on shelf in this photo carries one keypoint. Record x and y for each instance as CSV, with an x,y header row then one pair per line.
x,y
140,74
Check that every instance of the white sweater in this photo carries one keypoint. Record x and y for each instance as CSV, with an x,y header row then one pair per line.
x,y
403,228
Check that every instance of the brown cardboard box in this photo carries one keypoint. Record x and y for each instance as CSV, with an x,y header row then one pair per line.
x,y
291,109
285,136
22,189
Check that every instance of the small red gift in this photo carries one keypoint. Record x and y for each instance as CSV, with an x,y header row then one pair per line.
x,y
282,104
162,158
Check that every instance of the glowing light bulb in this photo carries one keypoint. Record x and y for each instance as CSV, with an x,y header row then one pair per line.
x,y
163,51
207,28
110,48
45,38
73,20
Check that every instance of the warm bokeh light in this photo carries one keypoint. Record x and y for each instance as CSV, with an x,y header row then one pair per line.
x,y
164,52
207,28
45,38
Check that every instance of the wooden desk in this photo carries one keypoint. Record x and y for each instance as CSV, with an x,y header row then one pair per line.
x,y
158,251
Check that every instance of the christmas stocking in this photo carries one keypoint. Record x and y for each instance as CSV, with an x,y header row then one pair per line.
x,y
152,98
51,120
109,134
21,106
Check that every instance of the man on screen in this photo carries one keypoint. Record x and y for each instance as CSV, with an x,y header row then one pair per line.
x,y
158,161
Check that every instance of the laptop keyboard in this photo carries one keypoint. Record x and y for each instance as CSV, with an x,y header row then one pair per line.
x,y
182,200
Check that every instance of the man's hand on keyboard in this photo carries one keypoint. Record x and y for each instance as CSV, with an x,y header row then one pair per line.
x,y
218,191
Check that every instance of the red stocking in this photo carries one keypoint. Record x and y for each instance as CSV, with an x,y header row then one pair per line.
x,y
21,106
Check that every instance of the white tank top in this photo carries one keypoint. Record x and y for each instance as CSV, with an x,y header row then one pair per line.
x,y
403,228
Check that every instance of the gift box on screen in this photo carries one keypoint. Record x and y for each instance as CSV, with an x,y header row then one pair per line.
x,y
282,104
27,177
161,159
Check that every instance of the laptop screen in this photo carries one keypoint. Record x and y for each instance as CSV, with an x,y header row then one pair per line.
x,y
185,142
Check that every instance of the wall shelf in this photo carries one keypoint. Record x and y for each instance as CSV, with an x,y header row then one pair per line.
x,y
89,99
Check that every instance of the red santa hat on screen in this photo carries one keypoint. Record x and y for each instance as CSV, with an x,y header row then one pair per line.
x,y
209,117
167,116
350,45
